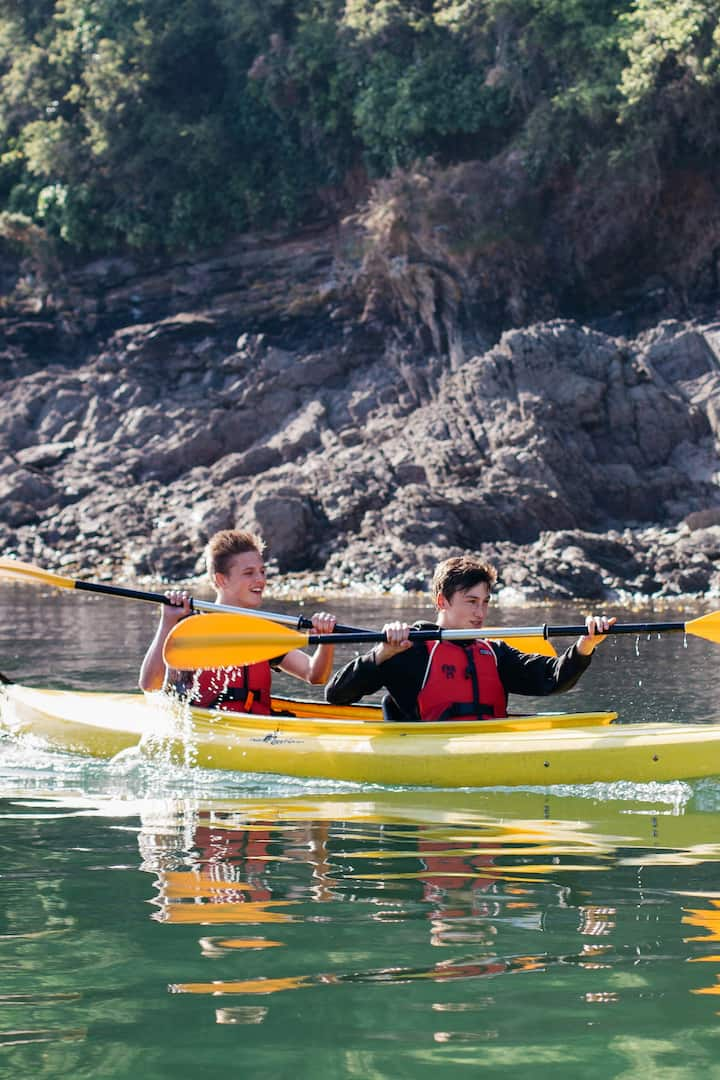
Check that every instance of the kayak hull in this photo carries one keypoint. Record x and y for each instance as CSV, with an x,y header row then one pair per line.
x,y
353,744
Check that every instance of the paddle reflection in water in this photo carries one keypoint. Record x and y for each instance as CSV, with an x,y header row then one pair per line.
x,y
706,919
378,889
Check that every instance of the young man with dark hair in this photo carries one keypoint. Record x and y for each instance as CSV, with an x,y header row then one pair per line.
x,y
236,568
469,680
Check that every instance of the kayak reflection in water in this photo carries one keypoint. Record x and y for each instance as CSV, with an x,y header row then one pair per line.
x,y
470,680
236,569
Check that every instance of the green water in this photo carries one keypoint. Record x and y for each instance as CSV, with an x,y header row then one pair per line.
x,y
163,922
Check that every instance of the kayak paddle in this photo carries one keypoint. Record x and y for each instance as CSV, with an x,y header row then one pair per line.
x,y
13,568
219,640
225,640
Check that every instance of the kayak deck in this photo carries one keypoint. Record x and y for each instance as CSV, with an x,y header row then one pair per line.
x,y
353,743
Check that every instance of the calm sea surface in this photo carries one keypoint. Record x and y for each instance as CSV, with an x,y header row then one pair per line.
x,y
161,922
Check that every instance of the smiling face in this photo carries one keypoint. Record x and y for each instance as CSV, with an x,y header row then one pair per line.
x,y
466,607
243,582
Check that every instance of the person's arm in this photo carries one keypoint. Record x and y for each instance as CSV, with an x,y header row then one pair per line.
x,y
367,674
397,642
315,669
152,669
357,678
401,674
539,676
598,626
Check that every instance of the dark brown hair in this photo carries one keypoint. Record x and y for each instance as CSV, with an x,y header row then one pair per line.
x,y
460,573
223,545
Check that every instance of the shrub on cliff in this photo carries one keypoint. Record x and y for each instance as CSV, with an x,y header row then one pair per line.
x,y
173,124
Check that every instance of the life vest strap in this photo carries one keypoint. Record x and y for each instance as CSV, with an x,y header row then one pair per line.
x,y
232,693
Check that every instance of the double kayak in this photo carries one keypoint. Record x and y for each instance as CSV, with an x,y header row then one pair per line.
x,y
314,740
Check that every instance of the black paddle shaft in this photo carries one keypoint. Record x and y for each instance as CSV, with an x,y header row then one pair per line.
x,y
355,635
524,631
301,622
116,590
618,628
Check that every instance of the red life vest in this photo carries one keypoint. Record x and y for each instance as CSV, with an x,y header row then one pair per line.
x,y
236,689
461,682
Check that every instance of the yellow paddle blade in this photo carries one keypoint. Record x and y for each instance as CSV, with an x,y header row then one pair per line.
x,y
218,640
707,626
531,645
13,568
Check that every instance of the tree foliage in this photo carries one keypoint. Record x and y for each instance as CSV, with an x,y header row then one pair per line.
x,y
176,123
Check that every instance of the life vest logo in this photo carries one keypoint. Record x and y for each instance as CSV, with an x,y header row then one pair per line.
x,y
448,671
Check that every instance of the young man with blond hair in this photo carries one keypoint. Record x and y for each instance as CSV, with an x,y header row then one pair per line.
x,y
236,569
469,680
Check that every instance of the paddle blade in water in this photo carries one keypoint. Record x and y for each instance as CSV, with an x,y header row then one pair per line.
x,y
22,571
707,626
210,641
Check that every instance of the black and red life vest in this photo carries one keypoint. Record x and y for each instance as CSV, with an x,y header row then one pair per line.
x,y
461,683
236,689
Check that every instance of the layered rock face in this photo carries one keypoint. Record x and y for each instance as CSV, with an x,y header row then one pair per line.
x,y
143,412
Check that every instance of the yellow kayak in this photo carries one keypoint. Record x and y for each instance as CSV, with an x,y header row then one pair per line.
x,y
353,743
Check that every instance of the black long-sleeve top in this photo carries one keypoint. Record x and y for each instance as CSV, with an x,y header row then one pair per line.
x,y
402,675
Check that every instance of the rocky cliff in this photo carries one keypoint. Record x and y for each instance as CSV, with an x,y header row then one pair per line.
x,y
145,406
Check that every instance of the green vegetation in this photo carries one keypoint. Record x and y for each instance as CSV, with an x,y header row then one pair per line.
x,y
176,123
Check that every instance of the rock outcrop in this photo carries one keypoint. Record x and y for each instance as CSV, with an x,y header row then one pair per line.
x,y
144,410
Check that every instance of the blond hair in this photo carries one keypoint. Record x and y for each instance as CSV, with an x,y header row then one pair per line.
x,y
225,544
